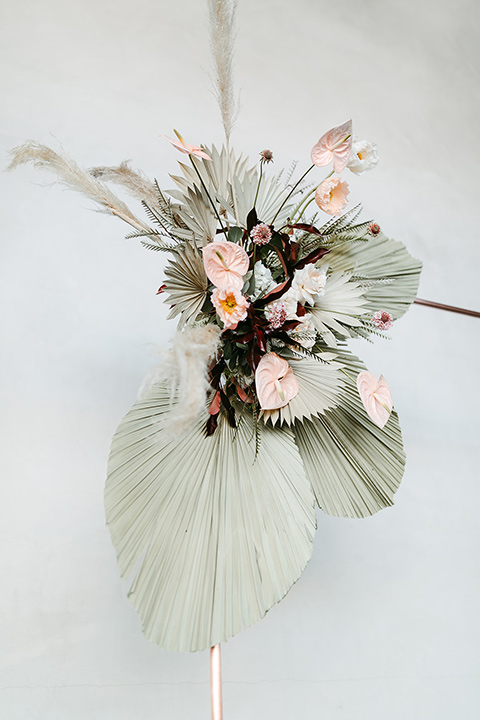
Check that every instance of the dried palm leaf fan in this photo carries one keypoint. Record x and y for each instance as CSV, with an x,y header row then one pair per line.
x,y
258,411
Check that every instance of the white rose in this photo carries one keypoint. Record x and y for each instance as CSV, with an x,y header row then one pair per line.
x,y
363,156
309,284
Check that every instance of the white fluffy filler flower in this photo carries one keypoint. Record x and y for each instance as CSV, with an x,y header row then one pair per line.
x,y
185,367
263,280
308,284
363,156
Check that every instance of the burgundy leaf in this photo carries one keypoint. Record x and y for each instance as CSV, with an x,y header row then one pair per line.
x,y
313,257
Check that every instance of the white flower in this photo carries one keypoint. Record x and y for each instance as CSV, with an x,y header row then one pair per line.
x,y
290,301
305,333
309,284
263,280
363,156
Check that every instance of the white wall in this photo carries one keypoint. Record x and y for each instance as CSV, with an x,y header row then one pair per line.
x,y
383,625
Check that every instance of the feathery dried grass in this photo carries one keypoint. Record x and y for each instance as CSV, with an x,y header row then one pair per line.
x,y
222,35
184,366
136,182
69,173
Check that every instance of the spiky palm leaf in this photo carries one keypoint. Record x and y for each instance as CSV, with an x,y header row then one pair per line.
x,y
355,467
213,538
186,283
339,308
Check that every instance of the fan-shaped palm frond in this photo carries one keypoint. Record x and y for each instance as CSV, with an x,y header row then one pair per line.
x,y
381,258
214,539
186,283
339,308
355,467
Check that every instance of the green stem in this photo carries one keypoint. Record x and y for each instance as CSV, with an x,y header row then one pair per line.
x,y
259,181
291,192
208,195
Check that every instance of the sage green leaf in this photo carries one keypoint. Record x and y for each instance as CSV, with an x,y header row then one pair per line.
x,y
354,466
212,538
380,258
186,283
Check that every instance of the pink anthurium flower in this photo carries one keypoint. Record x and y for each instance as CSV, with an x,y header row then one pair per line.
x,y
335,145
376,397
275,382
225,263
184,147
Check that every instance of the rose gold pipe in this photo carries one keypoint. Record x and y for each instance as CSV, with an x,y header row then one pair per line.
x,y
450,308
216,682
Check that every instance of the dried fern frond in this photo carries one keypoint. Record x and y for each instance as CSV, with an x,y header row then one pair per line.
x,y
69,173
222,37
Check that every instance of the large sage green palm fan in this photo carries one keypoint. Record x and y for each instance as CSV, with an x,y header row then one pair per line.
x,y
258,411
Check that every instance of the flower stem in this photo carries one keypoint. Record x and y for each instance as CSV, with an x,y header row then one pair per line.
x,y
259,181
208,195
300,209
291,192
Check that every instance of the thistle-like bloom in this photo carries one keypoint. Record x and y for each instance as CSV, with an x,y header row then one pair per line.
x,y
275,382
261,234
331,195
225,263
231,306
184,147
374,229
276,314
266,156
363,156
375,396
335,145
382,320
308,284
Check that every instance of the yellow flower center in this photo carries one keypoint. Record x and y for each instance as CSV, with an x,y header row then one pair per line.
x,y
229,304
359,155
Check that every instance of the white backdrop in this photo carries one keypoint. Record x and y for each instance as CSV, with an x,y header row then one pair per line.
x,y
383,624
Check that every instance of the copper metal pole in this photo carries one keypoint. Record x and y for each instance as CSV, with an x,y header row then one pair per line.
x,y
450,308
216,682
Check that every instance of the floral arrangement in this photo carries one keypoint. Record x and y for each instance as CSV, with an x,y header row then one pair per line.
x,y
258,412
263,289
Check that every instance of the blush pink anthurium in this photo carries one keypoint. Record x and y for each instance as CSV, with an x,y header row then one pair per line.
x,y
275,382
184,147
335,145
225,263
376,397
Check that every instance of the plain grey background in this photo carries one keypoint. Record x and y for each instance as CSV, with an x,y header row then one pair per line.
x,y
383,624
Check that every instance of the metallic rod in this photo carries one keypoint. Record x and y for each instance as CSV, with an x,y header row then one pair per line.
x,y
450,308
216,682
